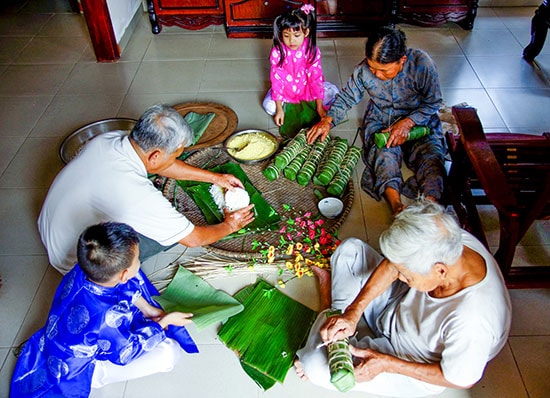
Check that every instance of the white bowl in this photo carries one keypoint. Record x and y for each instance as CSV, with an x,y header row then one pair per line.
x,y
330,207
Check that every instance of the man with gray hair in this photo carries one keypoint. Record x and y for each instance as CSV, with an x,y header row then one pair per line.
x,y
435,307
108,181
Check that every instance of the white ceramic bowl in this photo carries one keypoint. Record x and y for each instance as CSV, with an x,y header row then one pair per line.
x,y
330,207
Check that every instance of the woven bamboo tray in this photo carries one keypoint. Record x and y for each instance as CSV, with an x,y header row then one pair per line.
x,y
277,193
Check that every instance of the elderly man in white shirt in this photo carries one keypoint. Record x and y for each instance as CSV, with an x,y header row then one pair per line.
x,y
108,181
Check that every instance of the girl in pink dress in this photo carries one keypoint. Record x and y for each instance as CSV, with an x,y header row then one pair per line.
x,y
299,95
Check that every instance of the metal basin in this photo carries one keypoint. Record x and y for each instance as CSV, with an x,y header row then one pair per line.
x,y
229,145
75,141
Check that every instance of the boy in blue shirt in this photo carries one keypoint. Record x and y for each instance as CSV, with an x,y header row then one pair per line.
x,y
103,326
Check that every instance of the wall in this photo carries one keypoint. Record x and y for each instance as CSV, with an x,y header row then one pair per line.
x,y
122,12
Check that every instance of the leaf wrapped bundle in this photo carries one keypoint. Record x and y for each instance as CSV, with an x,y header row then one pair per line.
x,y
272,172
291,171
292,150
340,180
331,161
312,161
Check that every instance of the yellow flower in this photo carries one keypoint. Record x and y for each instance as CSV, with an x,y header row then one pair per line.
x,y
281,284
289,265
270,257
289,249
271,249
298,257
299,246
299,273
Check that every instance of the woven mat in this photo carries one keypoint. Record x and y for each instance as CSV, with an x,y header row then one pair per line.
x,y
277,193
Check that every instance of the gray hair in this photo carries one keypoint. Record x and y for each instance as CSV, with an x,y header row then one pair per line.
x,y
161,127
421,236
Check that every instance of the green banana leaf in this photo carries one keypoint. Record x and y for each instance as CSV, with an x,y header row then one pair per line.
x,y
267,333
298,116
199,123
266,217
190,293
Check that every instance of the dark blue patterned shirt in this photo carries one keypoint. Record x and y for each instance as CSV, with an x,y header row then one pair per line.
x,y
413,93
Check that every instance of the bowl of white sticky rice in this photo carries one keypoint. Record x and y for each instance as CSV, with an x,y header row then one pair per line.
x,y
232,199
251,146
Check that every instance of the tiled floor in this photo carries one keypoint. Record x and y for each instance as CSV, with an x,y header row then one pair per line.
x,y
50,85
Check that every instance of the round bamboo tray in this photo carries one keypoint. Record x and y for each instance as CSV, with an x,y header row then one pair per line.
x,y
277,193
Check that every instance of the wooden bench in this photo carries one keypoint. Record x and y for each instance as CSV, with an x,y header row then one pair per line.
x,y
510,172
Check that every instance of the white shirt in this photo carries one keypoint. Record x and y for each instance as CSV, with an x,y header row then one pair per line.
x,y
107,181
462,332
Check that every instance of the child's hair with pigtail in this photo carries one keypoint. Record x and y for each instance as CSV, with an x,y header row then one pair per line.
x,y
300,19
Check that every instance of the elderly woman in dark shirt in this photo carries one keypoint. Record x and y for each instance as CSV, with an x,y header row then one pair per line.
x,y
403,89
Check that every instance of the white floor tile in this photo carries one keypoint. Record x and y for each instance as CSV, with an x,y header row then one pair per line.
x,y
47,90
531,354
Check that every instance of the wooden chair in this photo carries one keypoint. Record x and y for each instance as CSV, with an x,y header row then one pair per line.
x,y
510,172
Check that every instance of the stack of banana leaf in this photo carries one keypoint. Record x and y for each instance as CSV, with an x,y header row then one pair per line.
x,y
327,163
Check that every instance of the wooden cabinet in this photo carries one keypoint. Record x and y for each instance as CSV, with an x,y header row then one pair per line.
x,y
187,14
353,17
254,18
437,12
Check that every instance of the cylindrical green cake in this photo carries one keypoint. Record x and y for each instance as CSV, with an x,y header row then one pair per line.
x,y
341,179
340,362
292,150
381,139
310,165
272,172
294,167
331,161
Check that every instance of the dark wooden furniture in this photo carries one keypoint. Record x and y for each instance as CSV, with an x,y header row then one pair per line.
x,y
436,12
254,18
510,172
187,14
352,17
100,27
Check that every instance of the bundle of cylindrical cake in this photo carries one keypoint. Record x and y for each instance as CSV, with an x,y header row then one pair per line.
x,y
340,180
331,161
310,165
340,362
381,139
291,150
294,167
283,159
272,172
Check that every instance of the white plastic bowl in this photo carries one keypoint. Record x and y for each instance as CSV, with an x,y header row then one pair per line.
x,y
330,207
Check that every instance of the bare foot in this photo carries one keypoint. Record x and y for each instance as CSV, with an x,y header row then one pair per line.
x,y
324,286
398,208
394,199
300,370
